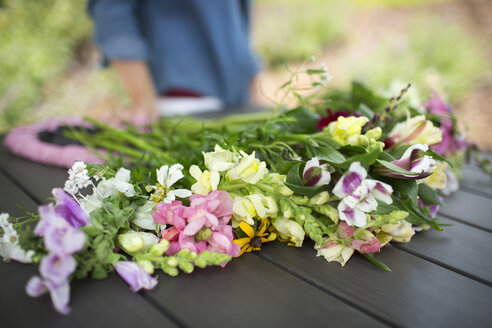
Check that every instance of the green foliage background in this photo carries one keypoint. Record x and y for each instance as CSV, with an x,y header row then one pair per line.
x,y
42,45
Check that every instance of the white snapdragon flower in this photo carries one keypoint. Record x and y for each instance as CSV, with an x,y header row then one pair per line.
x,y
249,169
206,181
9,243
220,159
166,177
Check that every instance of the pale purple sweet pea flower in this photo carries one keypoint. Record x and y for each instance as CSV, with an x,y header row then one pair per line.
x,y
135,275
359,195
413,160
60,294
56,268
54,271
315,174
69,209
58,235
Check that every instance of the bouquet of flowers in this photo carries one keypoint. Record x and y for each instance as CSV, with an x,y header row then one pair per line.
x,y
182,194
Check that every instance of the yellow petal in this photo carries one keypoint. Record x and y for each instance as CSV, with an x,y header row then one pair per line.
x,y
263,226
269,238
248,230
241,241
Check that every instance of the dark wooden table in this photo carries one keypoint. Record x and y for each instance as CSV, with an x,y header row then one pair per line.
x,y
439,279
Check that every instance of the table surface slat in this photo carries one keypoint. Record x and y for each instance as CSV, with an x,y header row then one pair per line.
x,y
439,279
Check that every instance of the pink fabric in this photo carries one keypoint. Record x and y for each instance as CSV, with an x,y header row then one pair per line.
x,y
23,141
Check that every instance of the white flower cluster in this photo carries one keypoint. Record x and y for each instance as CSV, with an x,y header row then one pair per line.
x,y
78,178
9,242
120,183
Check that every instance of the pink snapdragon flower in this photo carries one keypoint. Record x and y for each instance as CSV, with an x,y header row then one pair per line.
x,y
201,226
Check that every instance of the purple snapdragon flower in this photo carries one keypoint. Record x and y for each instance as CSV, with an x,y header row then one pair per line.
x,y
69,209
60,294
54,271
135,275
359,195
61,238
58,235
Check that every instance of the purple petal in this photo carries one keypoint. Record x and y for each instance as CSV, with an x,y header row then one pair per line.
x,y
69,209
352,216
60,296
61,238
311,176
135,276
35,287
56,268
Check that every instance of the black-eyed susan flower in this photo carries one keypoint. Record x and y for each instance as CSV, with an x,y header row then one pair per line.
x,y
254,238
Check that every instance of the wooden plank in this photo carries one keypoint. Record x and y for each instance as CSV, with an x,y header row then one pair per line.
x,y
94,303
459,247
252,292
36,179
234,307
472,209
417,293
476,180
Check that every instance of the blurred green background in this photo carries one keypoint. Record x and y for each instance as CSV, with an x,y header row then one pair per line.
x,y
49,67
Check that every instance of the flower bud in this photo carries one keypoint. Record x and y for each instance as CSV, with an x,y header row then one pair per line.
x,y
286,191
319,199
186,267
130,242
345,230
203,234
172,261
147,266
160,248
374,133
332,251
315,174
401,232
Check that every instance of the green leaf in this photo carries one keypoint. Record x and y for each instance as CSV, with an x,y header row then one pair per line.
x,y
438,157
294,175
429,195
399,151
365,160
311,71
330,155
308,191
407,189
366,111
305,120
370,257
396,168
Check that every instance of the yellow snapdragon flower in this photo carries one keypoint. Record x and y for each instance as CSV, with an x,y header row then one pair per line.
x,y
346,130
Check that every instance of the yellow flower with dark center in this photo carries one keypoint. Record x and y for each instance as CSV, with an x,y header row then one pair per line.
x,y
255,239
